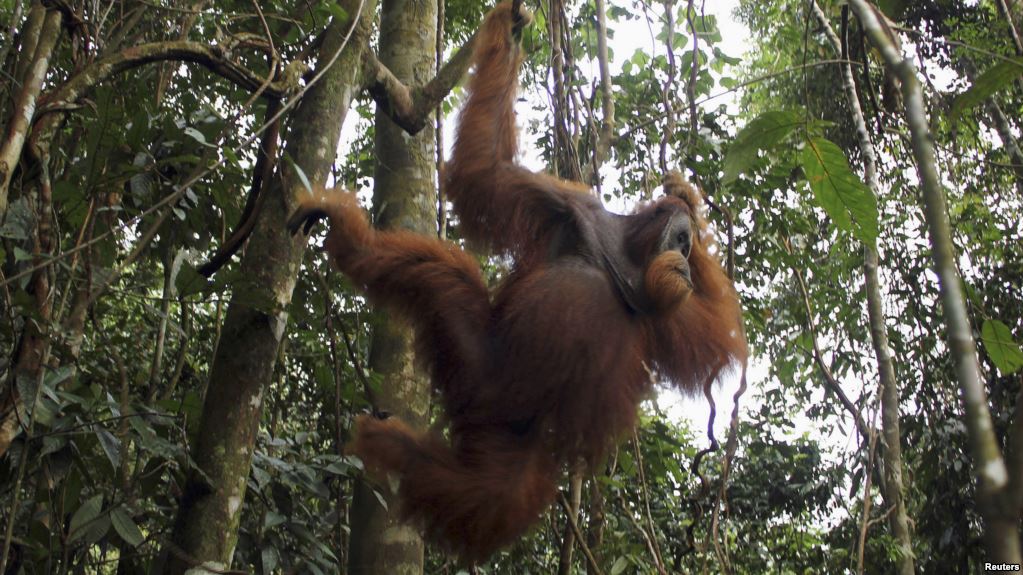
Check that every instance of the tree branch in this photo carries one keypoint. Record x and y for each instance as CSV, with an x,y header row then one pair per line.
x,y
210,57
410,108
266,161
25,103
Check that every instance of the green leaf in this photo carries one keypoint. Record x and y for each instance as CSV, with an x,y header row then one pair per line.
x,y
380,498
55,378
273,519
141,185
763,133
707,28
1001,348
84,518
125,526
987,83
300,174
195,135
52,444
619,567
270,557
639,58
231,156
21,255
894,9
679,41
338,468
111,446
41,411
838,190
20,220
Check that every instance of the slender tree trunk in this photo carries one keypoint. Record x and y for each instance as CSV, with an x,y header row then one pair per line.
x,y
29,39
893,491
595,530
575,494
35,336
25,104
606,133
206,529
404,196
170,268
1001,521
898,519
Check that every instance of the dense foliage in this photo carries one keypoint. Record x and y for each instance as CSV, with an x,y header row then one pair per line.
x,y
111,216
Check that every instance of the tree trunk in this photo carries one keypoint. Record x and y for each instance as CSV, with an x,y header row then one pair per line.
x,y
35,337
893,491
404,196
206,528
898,520
1001,533
26,102
575,494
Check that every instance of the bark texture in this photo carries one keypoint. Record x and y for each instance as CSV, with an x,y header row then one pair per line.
x,y
1001,522
893,489
404,196
206,529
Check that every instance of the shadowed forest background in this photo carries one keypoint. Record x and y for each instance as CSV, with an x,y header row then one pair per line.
x,y
178,374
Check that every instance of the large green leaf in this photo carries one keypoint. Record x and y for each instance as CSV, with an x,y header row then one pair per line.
x,y
838,190
111,446
88,523
125,527
763,133
1001,348
990,81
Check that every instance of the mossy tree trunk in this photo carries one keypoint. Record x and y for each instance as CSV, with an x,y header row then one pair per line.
x,y
404,196
206,529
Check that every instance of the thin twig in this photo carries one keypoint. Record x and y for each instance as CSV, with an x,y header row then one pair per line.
x,y
645,498
636,127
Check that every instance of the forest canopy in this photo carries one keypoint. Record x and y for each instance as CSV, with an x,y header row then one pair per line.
x,y
179,374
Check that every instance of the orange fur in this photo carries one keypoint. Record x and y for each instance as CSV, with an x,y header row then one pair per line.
x,y
470,501
667,287
676,186
549,370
